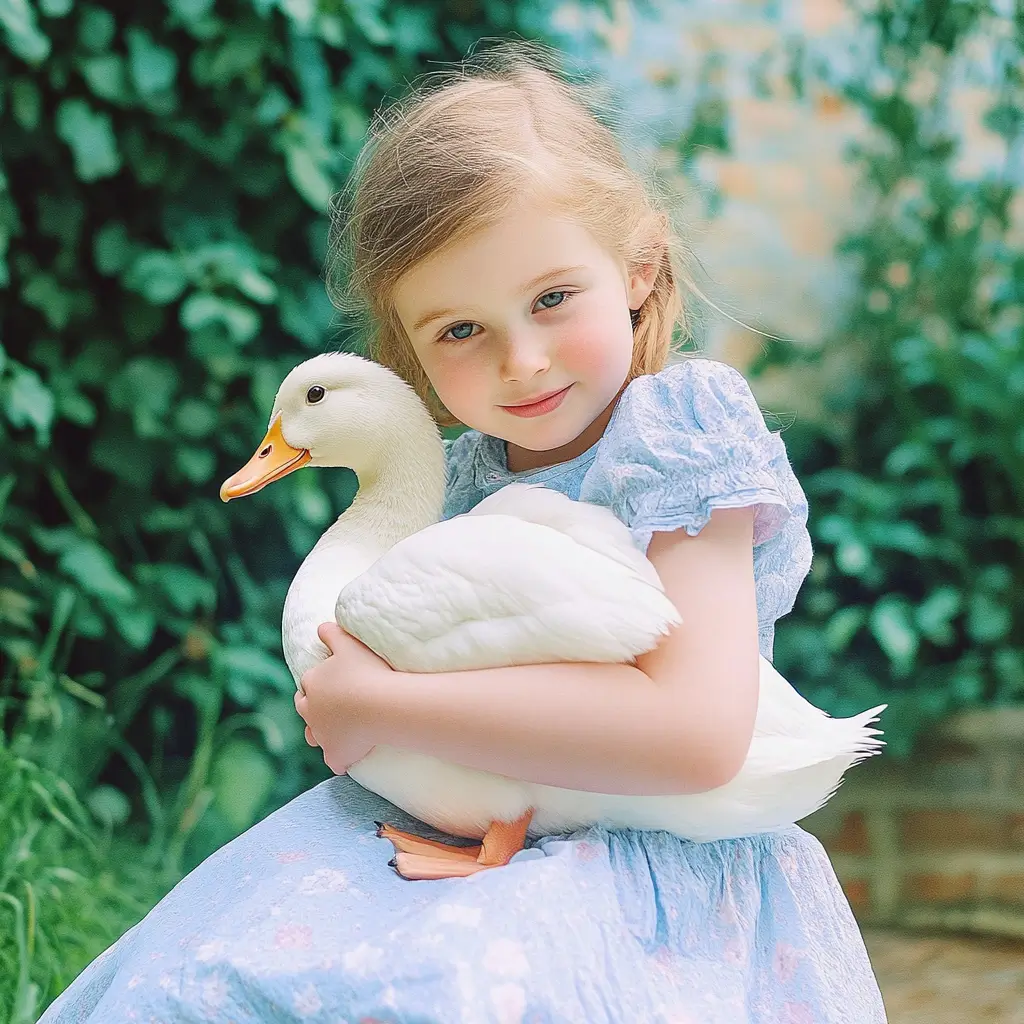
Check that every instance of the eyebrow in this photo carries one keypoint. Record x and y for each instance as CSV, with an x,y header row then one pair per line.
x,y
439,314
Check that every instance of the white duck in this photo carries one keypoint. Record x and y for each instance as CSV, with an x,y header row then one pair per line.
x,y
528,576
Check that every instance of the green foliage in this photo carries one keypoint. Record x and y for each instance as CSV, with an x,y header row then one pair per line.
x,y
915,473
60,900
164,177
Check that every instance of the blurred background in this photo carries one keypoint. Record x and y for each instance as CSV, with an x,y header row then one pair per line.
x,y
852,175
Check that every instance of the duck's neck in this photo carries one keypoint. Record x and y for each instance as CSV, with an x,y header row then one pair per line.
x,y
401,488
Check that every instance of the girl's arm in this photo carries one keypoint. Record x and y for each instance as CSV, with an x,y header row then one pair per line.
x,y
678,722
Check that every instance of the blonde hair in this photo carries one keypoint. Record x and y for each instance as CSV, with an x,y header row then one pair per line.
x,y
460,151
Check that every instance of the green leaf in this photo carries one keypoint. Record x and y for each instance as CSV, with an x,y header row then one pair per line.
x,y
907,456
934,615
18,21
902,536
203,309
162,519
299,11
43,292
96,28
843,626
256,666
109,806
190,10
90,136
1008,663
314,506
28,402
236,56
370,23
153,67
853,557
186,590
56,540
413,29
111,248
893,627
26,103
308,178
158,276
16,609
996,577
92,567
135,623
274,105
56,8
145,387
988,618
106,76
195,464
129,458
331,30
195,418
306,316
72,405
242,778
257,287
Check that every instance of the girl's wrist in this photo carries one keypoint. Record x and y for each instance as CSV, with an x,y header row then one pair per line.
x,y
392,707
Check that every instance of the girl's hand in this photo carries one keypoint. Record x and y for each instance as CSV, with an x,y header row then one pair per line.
x,y
331,701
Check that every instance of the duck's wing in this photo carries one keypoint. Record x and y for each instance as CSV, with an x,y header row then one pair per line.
x,y
591,526
483,591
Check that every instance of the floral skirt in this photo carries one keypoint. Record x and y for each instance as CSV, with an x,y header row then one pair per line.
x,y
301,919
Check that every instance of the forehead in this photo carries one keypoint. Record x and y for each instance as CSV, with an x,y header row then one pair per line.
x,y
501,258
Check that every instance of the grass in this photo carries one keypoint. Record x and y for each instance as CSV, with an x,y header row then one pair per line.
x,y
67,890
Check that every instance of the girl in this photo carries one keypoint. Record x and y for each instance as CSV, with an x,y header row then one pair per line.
x,y
521,277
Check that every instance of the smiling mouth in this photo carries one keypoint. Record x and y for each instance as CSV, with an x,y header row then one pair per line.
x,y
539,405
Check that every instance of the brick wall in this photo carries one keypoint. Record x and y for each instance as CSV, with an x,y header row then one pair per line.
x,y
936,841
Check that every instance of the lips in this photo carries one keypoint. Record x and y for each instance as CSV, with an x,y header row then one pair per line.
x,y
537,399
540,404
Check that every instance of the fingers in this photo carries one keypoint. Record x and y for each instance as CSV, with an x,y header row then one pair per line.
x,y
330,633
301,706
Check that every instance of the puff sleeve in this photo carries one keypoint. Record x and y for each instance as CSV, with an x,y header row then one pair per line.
x,y
461,492
686,441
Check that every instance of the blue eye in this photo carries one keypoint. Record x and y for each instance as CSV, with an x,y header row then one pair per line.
x,y
546,300
460,332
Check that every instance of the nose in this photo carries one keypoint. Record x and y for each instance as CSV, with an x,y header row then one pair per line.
x,y
524,356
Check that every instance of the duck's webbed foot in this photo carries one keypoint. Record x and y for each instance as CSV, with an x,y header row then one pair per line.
x,y
417,858
406,842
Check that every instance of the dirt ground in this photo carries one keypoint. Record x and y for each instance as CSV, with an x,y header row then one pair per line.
x,y
948,980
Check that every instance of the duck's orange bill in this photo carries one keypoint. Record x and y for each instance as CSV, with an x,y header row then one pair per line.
x,y
274,459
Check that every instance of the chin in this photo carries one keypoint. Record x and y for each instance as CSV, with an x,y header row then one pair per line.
x,y
550,436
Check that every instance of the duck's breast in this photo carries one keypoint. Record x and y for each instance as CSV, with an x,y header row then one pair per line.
x,y
312,596
460,801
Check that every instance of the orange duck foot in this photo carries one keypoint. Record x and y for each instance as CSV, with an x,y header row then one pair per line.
x,y
418,859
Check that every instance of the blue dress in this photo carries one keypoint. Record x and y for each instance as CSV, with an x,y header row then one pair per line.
x,y
301,920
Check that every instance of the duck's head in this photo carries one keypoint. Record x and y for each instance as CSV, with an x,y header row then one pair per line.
x,y
335,409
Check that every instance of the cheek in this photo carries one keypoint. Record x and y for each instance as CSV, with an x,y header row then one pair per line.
x,y
456,379
596,348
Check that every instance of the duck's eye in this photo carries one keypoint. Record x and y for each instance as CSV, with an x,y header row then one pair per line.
x,y
315,394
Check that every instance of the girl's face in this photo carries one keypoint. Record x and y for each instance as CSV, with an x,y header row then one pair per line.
x,y
523,329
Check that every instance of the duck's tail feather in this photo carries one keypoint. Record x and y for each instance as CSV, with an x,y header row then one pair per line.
x,y
783,780
786,779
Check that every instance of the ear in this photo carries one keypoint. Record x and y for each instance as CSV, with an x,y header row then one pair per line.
x,y
640,283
